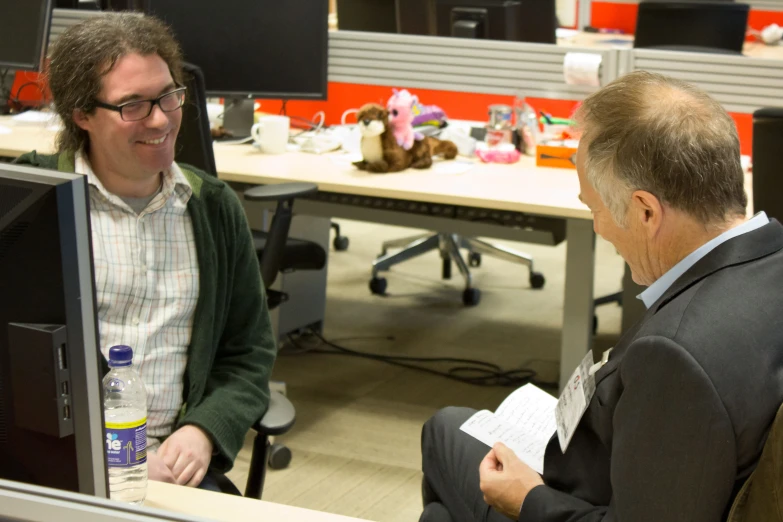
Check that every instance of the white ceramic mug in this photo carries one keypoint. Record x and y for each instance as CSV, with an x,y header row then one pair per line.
x,y
271,133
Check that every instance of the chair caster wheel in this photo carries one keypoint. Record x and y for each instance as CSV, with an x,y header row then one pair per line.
x,y
537,280
279,456
341,243
471,296
378,285
474,259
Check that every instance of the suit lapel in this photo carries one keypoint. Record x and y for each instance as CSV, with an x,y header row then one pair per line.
x,y
736,251
741,249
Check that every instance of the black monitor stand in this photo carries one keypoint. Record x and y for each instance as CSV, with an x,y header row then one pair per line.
x,y
238,116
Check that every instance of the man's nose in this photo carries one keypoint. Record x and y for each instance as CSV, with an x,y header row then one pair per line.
x,y
157,117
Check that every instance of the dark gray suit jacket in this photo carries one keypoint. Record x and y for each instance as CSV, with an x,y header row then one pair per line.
x,y
682,409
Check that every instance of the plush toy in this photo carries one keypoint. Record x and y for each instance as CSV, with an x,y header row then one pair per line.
x,y
400,107
382,153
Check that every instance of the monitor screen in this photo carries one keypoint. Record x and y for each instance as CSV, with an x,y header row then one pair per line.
x,y
714,26
24,32
51,415
253,48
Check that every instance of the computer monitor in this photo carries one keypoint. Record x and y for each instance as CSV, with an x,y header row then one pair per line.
x,y
24,33
51,415
249,49
695,26
513,20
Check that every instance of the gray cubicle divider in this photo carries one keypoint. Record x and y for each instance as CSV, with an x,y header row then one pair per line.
x,y
62,19
457,64
742,84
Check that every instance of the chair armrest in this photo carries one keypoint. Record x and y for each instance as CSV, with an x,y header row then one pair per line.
x,y
281,191
279,418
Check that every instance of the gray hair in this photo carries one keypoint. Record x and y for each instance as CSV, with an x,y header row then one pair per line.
x,y
645,131
86,52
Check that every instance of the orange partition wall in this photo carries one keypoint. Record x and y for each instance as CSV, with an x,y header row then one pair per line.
x,y
609,15
457,105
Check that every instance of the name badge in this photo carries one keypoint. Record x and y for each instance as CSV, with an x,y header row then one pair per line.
x,y
575,398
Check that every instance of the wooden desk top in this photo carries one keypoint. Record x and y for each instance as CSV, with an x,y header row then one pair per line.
x,y
521,187
229,508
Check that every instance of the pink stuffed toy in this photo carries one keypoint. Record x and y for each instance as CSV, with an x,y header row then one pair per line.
x,y
400,107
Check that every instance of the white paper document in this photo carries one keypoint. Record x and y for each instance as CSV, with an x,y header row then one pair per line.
x,y
524,421
573,401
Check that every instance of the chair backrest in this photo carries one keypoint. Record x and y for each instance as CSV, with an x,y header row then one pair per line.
x,y
767,162
761,497
194,142
711,26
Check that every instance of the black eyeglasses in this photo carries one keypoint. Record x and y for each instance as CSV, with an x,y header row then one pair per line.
x,y
140,109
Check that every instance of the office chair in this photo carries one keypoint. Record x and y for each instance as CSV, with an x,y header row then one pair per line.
x,y
449,245
767,181
695,26
276,252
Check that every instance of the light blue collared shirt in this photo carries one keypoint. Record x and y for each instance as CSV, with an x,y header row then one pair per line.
x,y
657,289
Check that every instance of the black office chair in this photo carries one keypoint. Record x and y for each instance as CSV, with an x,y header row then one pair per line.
x,y
695,26
767,180
276,252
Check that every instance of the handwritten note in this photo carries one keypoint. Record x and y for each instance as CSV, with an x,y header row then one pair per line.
x,y
524,422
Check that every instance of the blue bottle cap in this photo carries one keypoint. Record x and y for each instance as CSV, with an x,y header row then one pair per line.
x,y
120,355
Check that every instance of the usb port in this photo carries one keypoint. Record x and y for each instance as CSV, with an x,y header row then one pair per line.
x,y
61,357
66,412
65,388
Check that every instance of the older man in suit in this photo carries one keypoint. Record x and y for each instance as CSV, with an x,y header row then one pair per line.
x,y
682,408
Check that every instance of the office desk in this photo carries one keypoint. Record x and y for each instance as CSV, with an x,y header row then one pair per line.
x,y
518,202
229,508
164,502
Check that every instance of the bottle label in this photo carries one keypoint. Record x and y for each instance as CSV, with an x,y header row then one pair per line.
x,y
126,443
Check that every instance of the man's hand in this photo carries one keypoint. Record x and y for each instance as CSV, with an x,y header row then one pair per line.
x,y
506,480
187,453
157,470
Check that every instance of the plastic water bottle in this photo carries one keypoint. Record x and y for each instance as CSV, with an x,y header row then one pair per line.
x,y
125,411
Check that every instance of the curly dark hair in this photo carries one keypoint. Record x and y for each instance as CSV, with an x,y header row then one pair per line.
x,y
86,52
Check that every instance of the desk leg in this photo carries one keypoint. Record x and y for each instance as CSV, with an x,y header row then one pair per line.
x,y
578,302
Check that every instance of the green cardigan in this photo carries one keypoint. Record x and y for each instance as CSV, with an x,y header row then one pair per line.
x,y
232,348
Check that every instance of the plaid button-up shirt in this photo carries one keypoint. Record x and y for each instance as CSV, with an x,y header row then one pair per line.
x,y
146,281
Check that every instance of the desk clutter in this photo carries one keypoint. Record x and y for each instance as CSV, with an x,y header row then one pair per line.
x,y
406,133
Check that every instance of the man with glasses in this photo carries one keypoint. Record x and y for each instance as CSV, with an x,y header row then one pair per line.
x,y
176,274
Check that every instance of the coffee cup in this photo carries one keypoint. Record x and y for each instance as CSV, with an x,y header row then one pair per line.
x,y
271,133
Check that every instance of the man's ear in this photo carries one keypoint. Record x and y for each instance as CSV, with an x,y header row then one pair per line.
x,y
81,119
647,209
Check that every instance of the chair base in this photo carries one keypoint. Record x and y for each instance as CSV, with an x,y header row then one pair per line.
x,y
449,246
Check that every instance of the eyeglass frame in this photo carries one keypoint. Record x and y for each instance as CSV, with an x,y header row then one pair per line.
x,y
153,103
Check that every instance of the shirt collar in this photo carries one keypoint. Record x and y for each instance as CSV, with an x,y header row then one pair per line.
x,y
659,287
174,182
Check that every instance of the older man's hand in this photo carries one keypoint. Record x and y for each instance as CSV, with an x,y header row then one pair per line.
x,y
506,480
187,453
